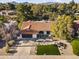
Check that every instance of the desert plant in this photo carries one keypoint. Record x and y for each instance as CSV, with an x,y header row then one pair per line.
x,y
11,42
6,48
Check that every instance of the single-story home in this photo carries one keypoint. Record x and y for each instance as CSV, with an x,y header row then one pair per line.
x,y
76,27
35,29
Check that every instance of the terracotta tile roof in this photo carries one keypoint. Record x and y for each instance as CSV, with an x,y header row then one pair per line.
x,y
36,25
76,24
29,32
76,21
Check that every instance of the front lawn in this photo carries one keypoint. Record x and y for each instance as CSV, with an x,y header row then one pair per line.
x,y
47,50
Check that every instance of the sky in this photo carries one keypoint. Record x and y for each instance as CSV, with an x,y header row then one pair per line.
x,y
38,1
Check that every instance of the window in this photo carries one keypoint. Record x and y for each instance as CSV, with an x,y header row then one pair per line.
x,y
27,35
12,13
48,32
42,36
41,32
3,12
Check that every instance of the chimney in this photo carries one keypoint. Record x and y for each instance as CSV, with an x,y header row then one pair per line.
x,y
29,25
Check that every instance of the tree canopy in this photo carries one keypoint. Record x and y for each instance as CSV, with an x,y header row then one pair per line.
x,y
62,27
43,11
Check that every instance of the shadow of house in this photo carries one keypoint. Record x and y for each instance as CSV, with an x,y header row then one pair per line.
x,y
2,43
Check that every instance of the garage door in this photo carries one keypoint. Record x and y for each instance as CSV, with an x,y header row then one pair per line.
x,y
27,35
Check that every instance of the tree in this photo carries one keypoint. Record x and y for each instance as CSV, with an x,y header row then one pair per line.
x,y
2,29
53,16
1,19
6,48
61,9
7,33
62,27
29,12
11,6
1,25
21,13
37,11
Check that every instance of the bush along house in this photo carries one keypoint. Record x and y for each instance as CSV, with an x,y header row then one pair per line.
x,y
35,29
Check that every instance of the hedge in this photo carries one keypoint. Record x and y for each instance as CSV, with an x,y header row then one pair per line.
x,y
75,46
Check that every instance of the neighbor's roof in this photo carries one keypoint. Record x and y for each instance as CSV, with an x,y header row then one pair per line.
x,y
76,21
36,25
76,24
8,11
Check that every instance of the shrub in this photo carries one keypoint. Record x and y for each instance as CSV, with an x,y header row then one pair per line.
x,y
11,42
6,48
75,46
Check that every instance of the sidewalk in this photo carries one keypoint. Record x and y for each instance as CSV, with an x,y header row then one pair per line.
x,y
39,57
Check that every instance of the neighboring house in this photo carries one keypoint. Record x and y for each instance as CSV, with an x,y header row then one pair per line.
x,y
76,27
10,13
35,29
77,13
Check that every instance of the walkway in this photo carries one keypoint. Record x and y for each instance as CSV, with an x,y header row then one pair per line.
x,y
68,51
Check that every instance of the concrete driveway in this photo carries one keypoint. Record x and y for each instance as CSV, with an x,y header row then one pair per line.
x,y
25,49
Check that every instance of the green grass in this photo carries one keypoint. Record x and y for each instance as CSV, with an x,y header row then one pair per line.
x,y
47,50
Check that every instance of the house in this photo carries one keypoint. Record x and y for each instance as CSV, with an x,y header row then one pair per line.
x,y
35,29
77,13
7,12
76,27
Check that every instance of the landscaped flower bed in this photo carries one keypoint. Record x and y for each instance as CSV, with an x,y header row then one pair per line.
x,y
47,50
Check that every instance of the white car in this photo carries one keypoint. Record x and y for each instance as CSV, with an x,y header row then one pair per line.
x,y
48,40
40,40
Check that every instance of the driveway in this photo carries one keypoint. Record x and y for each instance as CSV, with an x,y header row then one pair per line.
x,y
25,49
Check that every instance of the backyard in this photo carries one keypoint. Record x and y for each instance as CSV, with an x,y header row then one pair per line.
x,y
47,50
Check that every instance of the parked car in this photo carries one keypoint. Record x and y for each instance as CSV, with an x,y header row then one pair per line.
x,y
40,40
48,40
